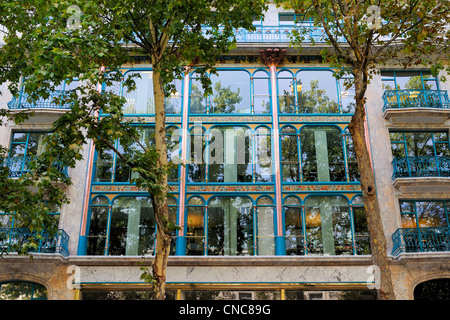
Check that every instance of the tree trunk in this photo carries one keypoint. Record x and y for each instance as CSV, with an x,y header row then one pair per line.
x,y
371,205
163,237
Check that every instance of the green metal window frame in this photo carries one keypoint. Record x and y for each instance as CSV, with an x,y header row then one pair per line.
x,y
303,243
109,204
414,212
346,140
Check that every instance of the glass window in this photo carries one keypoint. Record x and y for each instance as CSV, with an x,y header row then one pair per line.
x,y
21,290
265,226
24,147
141,100
419,143
322,154
195,233
230,226
230,158
352,163
317,92
289,154
408,80
263,155
362,237
197,165
327,223
132,227
293,226
106,160
423,213
286,94
231,92
261,92
96,239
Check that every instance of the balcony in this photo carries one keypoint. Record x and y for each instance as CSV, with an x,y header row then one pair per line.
x,y
22,102
275,34
20,165
433,239
11,238
416,106
413,167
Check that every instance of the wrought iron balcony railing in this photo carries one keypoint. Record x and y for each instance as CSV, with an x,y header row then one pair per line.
x,y
277,34
11,238
20,165
414,98
421,240
22,102
411,167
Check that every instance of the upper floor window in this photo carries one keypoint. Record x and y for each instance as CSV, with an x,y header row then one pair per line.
x,y
293,18
419,143
404,80
141,100
230,154
233,92
24,147
111,168
424,213
315,154
313,91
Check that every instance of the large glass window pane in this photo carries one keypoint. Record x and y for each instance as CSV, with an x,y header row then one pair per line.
x,y
263,155
265,224
317,92
294,226
289,155
230,154
174,102
322,154
230,226
327,222
347,96
96,239
197,101
231,92
431,214
195,235
132,230
261,93
362,238
352,163
141,100
197,165
286,98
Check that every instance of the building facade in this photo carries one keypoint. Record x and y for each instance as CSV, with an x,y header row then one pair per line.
x,y
269,202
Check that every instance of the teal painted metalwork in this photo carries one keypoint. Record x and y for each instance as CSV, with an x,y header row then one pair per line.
x,y
21,102
20,165
416,98
421,240
423,166
278,34
10,237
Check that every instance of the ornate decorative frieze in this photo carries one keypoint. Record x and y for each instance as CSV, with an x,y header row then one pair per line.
x,y
321,187
124,188
242,188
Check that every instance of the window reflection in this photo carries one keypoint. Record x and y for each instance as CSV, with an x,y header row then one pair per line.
x,y
230,226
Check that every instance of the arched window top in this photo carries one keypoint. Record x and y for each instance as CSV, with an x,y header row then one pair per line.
x,y
357,200
292,201
260,74
262,130
285,74
264,201
288,130
22,290
100,201
237,201
172,201
325,128
196,201
336,201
